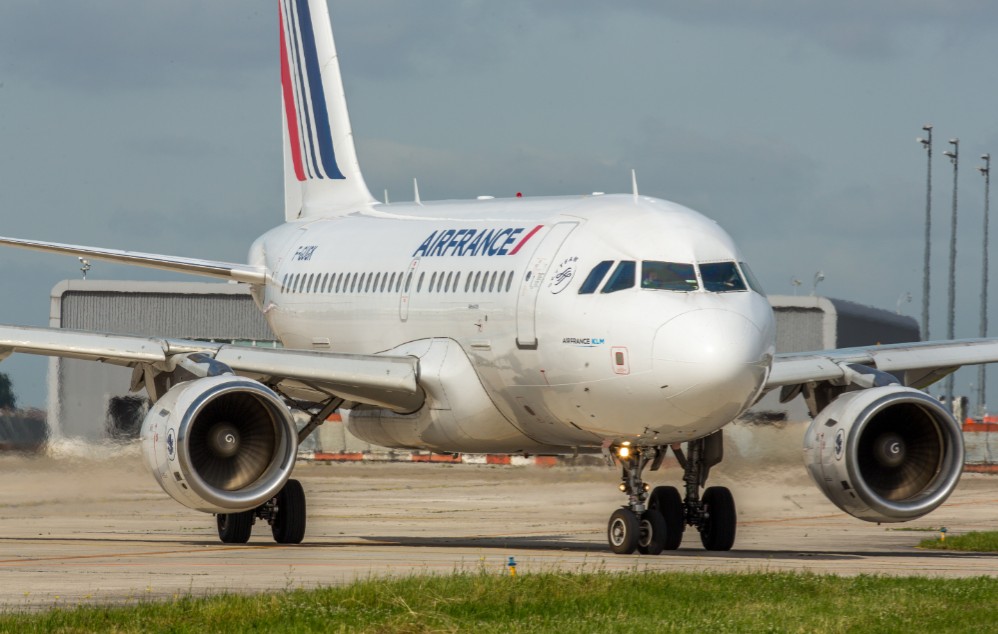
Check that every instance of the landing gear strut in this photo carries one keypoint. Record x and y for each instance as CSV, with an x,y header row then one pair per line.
x,y
713,514
285,513
641,524
651,524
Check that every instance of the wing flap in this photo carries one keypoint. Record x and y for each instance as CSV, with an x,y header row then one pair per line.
x,y
381,380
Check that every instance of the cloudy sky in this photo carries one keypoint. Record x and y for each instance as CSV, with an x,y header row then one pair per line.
x,y
155,126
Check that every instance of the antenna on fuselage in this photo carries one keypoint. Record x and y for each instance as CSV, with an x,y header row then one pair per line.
x,y
415,189
634,182
387,202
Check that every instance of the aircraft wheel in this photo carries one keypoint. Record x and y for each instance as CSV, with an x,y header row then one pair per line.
x,y
666,500
718,529
289,520
623,531
234,528
652,533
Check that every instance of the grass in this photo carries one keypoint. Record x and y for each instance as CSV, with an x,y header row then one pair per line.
x,y
981,542
563,602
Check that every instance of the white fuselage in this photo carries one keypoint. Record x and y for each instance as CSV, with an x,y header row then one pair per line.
x,y
501,280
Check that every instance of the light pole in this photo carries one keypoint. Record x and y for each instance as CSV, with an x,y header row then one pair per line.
x,y
818,278
986,173
954,157
927,144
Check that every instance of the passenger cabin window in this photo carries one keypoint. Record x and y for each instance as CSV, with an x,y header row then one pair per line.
x,y
669,276
721,277
595,277
621,278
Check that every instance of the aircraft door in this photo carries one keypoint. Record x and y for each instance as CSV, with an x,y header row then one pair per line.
x,y
533,279
409,278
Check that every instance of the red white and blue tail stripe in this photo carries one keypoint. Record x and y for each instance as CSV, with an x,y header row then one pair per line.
x,y
322,176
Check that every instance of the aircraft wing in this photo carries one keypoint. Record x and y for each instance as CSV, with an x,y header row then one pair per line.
x,y
914,364
211,268
380,380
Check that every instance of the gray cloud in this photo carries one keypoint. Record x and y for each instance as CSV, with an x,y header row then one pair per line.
x,y
155,126
104,45
853,28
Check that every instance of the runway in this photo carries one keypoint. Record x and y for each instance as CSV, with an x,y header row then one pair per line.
x,y
98,529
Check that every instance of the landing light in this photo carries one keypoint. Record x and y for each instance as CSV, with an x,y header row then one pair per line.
x,y
624,452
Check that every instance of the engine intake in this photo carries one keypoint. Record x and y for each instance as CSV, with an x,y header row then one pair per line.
x,y
886,454
220,444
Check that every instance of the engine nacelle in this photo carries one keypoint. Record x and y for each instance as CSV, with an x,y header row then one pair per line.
x,y
221,444
885,454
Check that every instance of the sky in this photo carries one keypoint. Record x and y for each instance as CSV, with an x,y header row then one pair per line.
x,y
155,126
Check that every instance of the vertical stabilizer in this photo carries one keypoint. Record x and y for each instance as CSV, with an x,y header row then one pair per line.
x,y
321,173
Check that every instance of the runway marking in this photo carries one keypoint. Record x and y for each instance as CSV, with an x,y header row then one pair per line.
x,y
124,555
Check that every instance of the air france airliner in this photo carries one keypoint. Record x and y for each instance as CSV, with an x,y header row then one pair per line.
x,y
621,325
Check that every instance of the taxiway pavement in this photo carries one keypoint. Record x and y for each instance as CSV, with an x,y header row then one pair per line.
x,y
98,529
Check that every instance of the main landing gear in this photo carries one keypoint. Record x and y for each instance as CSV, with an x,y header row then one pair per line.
x,y
655,522
285,513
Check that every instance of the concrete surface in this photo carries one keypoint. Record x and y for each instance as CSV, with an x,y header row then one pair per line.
x,y
90,525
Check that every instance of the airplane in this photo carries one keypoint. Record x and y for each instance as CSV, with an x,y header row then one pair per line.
x,y
621,325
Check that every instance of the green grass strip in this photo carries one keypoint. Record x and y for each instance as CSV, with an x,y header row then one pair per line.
x,y
981,542
562,602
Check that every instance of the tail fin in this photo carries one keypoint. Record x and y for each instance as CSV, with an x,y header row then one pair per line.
x,y
321,173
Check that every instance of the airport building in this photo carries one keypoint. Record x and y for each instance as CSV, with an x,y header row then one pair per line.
x,y
91,400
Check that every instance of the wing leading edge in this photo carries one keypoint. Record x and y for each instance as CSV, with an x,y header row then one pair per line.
x,y
379,380
915,365
226,270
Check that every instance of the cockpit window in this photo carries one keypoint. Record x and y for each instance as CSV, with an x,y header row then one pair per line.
x,y
621,278
721,277
595,277
750,277
668,276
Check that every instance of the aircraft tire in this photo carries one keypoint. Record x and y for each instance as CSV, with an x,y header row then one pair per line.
x,y
623,531
718,531
289,521
666,500
234,528
652,533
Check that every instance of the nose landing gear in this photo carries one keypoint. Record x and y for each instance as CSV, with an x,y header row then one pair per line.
x,y
652,524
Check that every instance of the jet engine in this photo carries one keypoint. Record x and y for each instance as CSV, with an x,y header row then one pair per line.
x,y
885,454
220,444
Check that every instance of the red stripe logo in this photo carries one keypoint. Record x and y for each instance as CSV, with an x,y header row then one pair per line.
x,y
525,238
289,104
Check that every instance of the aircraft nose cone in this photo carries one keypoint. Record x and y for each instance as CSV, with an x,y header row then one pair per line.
x,y
712,362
